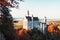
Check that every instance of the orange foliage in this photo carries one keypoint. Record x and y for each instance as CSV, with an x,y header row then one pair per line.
x,y
54,28
23,34
50,28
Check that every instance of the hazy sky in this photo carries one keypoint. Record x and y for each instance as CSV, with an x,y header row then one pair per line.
x,y
40,8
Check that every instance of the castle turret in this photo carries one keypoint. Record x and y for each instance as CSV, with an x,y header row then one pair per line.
x,y
44,25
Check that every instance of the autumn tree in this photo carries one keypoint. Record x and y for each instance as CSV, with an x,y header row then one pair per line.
x,y
23,34
6,26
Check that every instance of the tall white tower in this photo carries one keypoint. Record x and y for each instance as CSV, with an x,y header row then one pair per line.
x,y
44,25
25,21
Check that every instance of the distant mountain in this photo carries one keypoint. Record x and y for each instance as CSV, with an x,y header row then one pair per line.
x,y
17,19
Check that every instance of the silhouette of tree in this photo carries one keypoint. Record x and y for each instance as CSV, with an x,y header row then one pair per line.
x,y
6,26
35,34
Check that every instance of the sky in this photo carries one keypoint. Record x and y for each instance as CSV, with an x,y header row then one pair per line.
x,y
39,8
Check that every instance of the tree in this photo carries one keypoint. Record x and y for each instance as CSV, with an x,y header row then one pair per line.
x,y
6,26
35,34
23,34
9,2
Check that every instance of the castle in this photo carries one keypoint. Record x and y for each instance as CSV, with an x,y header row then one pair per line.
x,y
30,22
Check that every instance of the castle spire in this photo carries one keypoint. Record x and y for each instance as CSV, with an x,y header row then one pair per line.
x,y
28,12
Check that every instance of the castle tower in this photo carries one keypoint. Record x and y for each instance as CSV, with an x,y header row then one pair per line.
x,y
44,25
